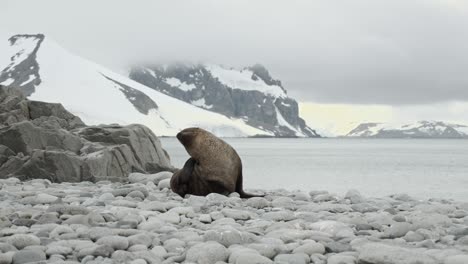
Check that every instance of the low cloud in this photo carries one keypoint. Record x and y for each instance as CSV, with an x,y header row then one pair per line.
x,y
399,52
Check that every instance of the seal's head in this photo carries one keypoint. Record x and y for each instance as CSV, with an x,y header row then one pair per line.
x,y
188,137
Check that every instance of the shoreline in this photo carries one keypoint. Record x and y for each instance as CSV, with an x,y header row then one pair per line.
x,y
144,222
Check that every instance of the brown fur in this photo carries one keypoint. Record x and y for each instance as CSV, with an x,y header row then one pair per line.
x,y
214,166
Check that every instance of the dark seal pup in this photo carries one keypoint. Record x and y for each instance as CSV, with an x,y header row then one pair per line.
x,y
213,167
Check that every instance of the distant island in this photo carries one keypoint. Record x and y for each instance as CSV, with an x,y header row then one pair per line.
x,y
421,129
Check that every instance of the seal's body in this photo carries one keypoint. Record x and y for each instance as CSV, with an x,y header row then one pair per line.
x,y
214,166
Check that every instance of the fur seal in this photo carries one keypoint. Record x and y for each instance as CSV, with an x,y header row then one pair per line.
x,y
213,167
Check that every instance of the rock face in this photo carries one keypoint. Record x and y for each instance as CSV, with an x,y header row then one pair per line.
x,y
44,140
251,94
421,129
25,73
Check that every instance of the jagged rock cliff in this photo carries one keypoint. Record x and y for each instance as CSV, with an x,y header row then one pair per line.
x,y
251,94
44,140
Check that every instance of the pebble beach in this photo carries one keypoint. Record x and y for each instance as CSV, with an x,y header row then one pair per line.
x,y
142,221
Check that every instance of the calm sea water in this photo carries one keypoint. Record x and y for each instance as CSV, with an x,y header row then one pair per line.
x,y
423,168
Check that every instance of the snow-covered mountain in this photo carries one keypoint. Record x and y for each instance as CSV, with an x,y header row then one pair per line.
x,y
421,129
44,71
250,93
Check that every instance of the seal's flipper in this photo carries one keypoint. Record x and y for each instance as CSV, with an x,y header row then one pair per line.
x,y
239,187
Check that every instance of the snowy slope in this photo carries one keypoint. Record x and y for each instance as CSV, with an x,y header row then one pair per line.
x,y
242,79
421,129
99,95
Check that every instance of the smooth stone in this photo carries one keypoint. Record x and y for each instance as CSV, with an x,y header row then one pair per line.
x,y
136,248
284,202
205,218
299,258
153,206
279,216
170,217
140,239
24,222
68,209
174,245
412,236
58,250
341,259
398,229
136,194
354,196
225,237
21,241
238,250
159,251
124,203
7,258
5,247
457,259
164,184
106,197
333,228
208,252
96,250
252,258
138,261
121,256
257,202
310,248
380,253
236,214
266,250
28,255
338,247
116,242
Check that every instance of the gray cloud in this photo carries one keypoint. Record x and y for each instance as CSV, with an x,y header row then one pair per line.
x,y
364,51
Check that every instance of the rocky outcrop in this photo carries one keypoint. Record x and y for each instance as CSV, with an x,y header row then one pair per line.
x,y
251,94
44,140
23,70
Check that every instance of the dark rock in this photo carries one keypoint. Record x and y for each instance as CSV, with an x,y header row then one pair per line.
x,y
144,145
24,74
44,140
39,109
13,106
24,222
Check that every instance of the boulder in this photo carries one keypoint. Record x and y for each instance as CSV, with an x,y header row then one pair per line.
x,y
44,140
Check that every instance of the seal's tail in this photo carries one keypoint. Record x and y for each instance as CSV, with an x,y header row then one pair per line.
x,y
240,190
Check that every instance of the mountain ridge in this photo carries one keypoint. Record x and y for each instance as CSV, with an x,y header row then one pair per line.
x,y
420,129
45,71
249,93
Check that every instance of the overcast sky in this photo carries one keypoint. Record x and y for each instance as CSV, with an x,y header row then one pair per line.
x,y
360,51
391,53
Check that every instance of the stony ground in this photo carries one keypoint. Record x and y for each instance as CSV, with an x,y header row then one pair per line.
x,y
144,222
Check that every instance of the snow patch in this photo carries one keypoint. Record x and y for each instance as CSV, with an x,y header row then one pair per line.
x,y
201,103
283,122
30,78
174,82
242,79
7,82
